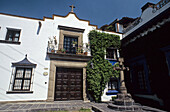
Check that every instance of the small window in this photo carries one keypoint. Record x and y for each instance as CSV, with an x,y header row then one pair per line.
x,y
111,53
13,35
22,79
113,84
139,72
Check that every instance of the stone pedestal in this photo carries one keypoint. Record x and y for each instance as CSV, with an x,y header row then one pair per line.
x,y
123,89
132,108
124,101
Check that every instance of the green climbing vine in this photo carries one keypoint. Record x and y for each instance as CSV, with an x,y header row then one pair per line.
x,y
100,70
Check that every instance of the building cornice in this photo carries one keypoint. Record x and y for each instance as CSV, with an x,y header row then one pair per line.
x,y
50,18
150,26
69,57
70,28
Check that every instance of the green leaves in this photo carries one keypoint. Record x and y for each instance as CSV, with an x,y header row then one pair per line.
x,y
102,70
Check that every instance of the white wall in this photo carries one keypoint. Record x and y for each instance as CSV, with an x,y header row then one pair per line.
x,y
120,28
106,98
31,44
35,46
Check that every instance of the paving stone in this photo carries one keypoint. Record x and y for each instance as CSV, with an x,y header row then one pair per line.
x,y
13,107
21,106
53,106
48,105
35,106
41,105
4,107
56,106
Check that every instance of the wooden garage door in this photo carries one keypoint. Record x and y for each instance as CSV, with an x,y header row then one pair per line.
x,y
68,84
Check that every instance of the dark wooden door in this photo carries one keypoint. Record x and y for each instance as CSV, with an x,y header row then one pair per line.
x,y
68,84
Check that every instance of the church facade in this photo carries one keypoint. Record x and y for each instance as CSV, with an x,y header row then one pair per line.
x,y
44,59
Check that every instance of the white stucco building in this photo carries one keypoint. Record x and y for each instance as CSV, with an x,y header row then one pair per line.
x,y
33,62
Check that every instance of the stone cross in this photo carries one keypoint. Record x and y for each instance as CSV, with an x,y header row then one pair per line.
x,y
72,6
121,68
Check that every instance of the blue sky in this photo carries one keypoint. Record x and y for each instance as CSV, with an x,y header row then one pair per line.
x,y
99,12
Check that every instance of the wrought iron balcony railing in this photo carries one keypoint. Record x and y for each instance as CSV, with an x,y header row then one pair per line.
x,y
161,4
68,49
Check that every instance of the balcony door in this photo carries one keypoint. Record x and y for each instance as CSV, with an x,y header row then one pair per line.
x,y
68,44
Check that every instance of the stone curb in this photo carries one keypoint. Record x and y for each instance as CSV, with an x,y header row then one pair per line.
x,y
96,109
146,108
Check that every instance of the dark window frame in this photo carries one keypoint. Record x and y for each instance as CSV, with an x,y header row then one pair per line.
x,y
113,83
9,42
13,32
111,53
140,77
23,78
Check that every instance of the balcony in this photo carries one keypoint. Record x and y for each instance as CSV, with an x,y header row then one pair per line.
x,y
161,4
70,53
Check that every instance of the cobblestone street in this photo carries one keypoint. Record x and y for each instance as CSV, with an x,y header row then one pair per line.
x,y
51,106
61,105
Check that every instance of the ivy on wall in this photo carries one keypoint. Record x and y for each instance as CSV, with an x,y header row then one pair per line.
x,y
100,70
